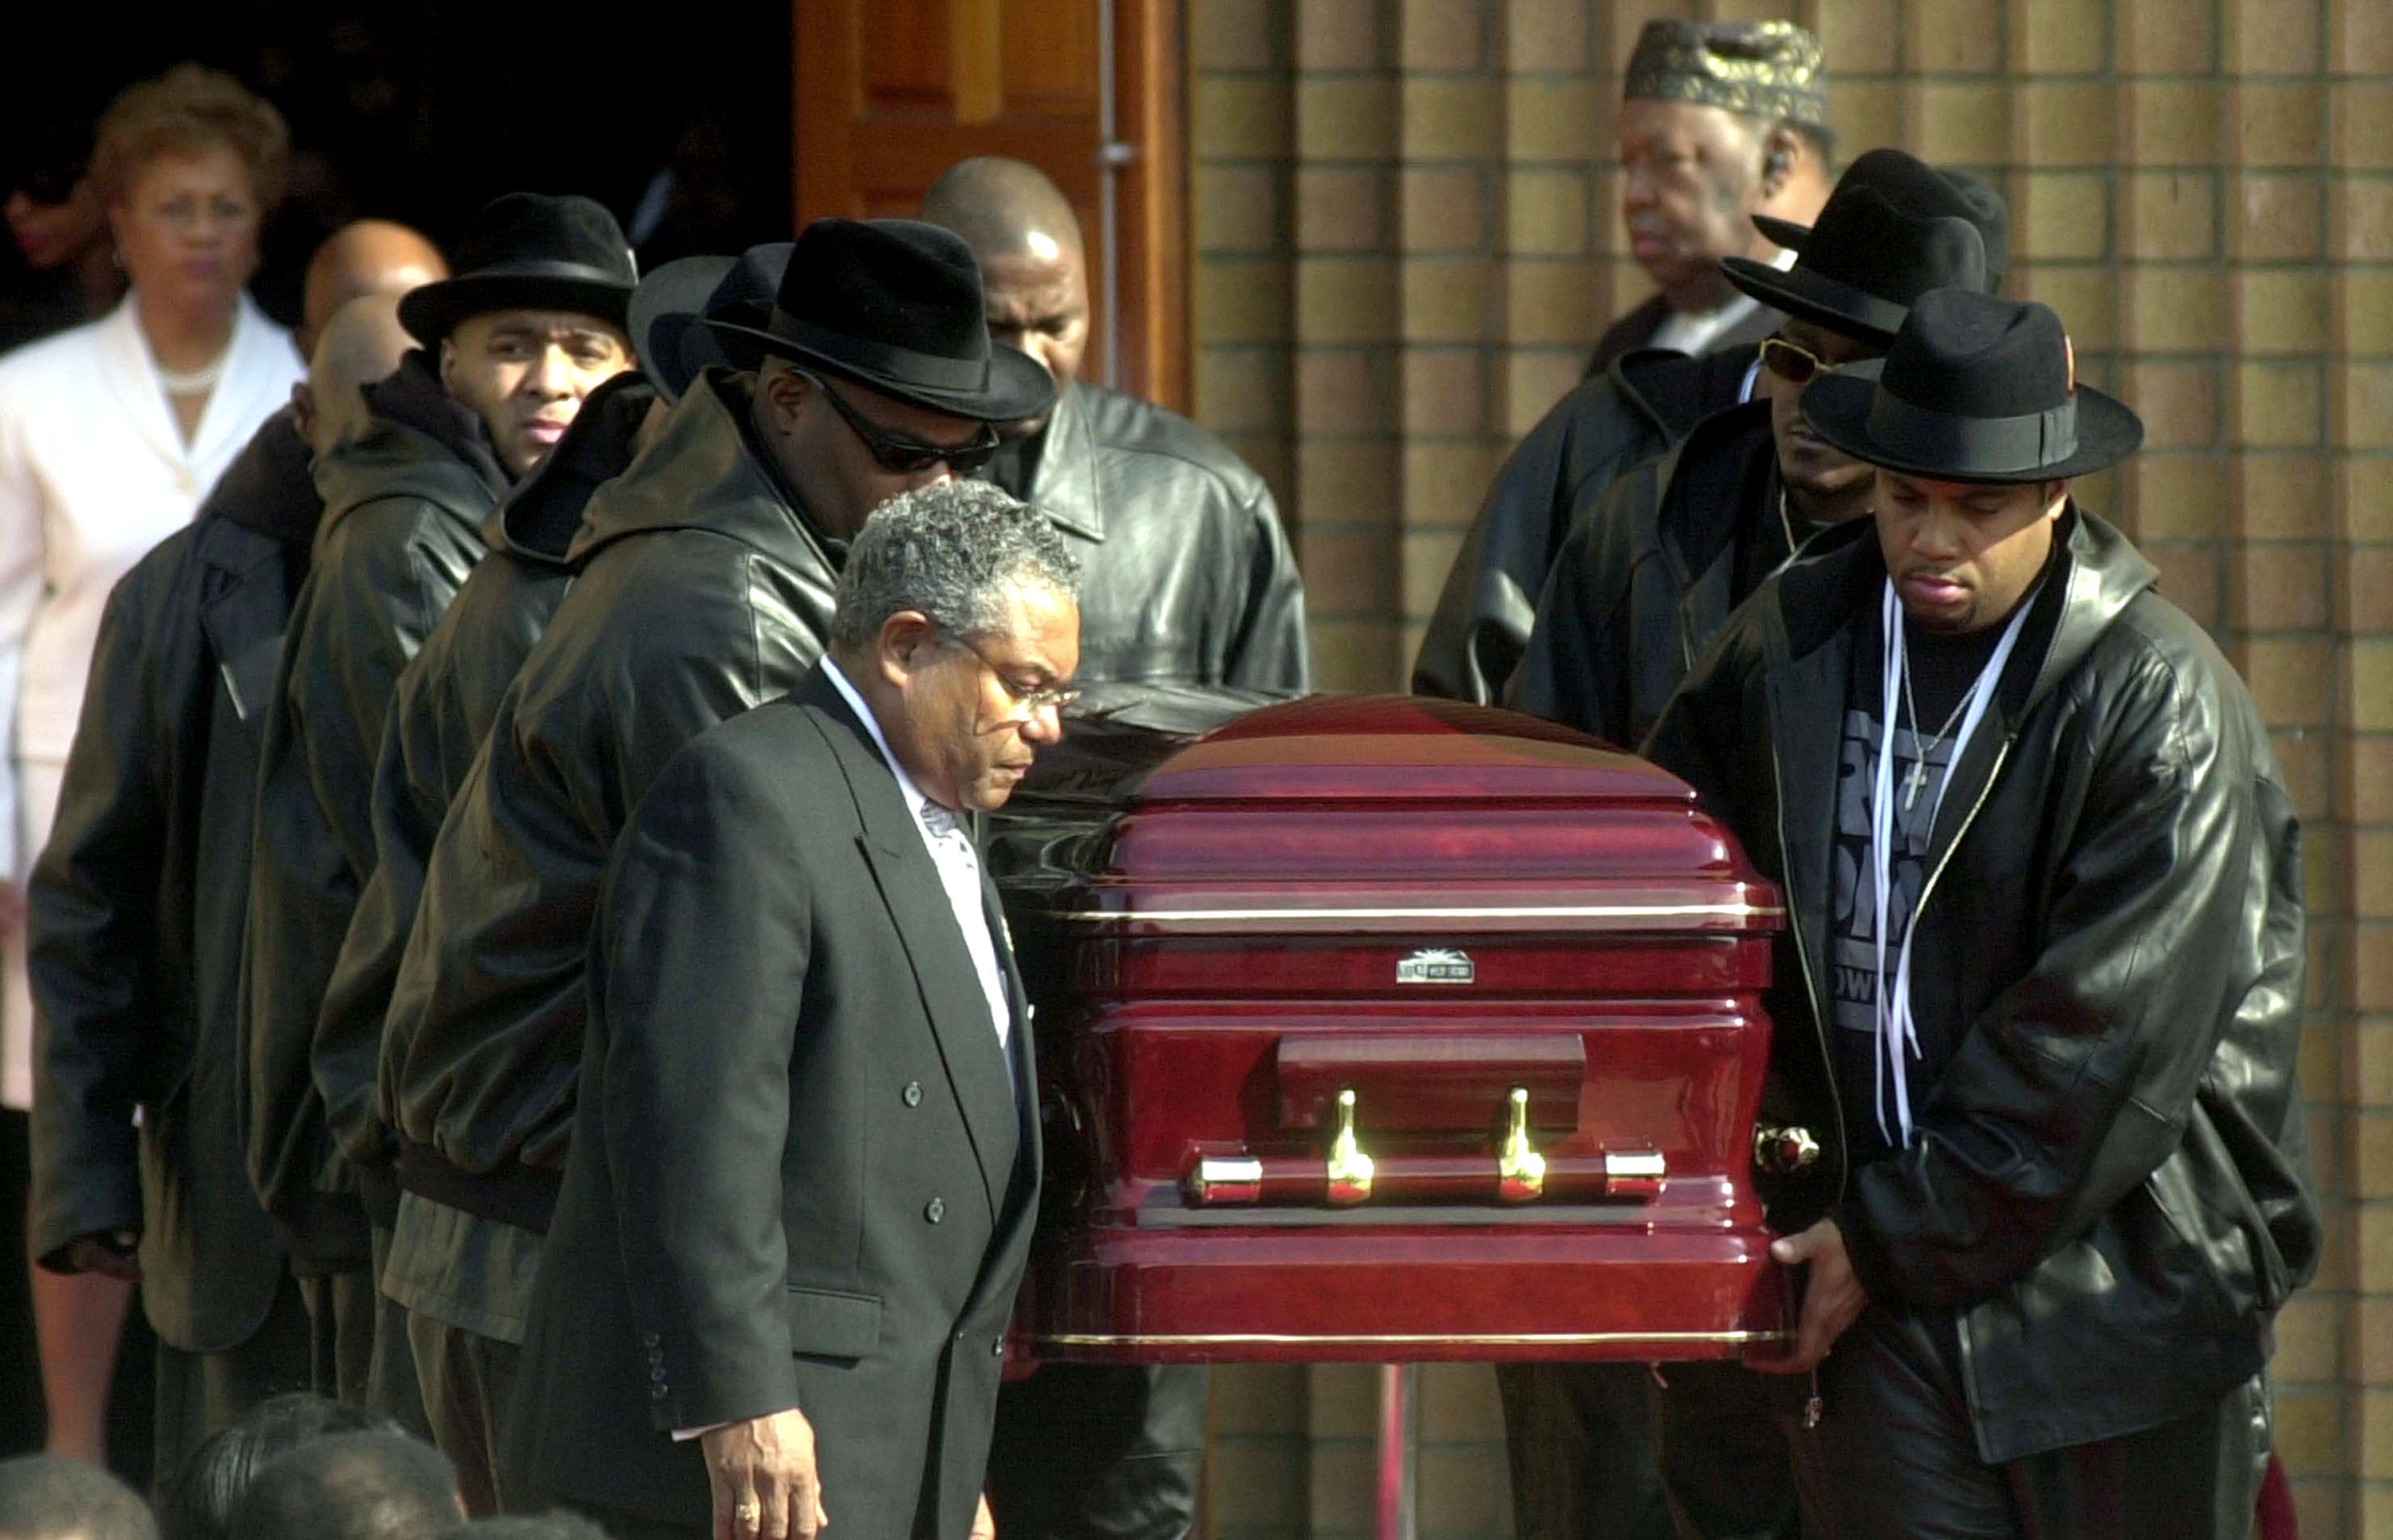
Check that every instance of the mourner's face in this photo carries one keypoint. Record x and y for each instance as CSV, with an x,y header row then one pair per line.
x,y
526,372
187,227
827,447
1806,463
52,235
977,708
1039,302
1691,179
1964,553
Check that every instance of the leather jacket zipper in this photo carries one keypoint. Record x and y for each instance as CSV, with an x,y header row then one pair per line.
x,y
1811,990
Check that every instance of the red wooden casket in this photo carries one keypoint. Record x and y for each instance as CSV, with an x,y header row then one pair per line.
x,y
1388,1028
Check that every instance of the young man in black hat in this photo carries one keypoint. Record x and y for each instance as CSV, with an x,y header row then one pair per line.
x,y
510,347
1612,422
1649,572
2039,1001
705,588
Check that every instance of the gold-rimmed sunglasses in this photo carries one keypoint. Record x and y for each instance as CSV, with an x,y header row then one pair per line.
x,y
1793,362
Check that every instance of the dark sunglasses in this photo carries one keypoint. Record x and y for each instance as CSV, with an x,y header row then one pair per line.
x,y
48,185
902,456
1793,362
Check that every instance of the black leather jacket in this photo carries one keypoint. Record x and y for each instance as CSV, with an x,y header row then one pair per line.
x,y
137,905
1632,411
404,501
1645,580
702,592
1187,575
440,714
2109,1188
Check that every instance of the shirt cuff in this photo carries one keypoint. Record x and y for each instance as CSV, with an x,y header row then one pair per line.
x,y
682,1435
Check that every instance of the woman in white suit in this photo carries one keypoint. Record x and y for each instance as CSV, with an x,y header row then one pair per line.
x,y
110,435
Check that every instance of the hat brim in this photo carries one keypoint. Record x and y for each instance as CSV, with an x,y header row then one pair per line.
x,y
1837,407
1018,386
1822,301
1782,233
664,313
433,311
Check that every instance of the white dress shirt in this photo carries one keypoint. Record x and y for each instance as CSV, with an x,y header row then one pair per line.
x,y
1695,333
959,868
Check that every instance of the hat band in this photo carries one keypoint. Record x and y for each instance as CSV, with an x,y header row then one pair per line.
x,y
1981,445
934,371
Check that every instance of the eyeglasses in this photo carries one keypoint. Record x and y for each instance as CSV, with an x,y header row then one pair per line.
x,y
1793,362
1053,698
903,456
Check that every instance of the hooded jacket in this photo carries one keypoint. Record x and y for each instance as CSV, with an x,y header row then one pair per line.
x,y
1187,575
404,501
138,904
703,590
1634,410
1646,578
2109,1189
440,711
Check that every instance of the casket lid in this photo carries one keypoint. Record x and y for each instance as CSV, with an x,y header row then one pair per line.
x,y
1403,748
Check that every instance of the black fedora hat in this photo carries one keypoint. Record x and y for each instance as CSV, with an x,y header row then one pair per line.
x,y
527,251
1894,228
895,306
1975,388
671,303
1993,218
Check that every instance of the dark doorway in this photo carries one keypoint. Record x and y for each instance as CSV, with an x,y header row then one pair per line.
x,y
422,110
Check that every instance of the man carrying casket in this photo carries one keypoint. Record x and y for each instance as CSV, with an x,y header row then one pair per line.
x,y
2040,994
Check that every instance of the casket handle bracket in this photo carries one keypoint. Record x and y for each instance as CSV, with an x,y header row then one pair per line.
x,y
1350,1169
1520,1169
1783,1152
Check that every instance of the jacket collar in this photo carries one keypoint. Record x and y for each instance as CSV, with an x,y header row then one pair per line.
x,y
702,473
1064,485
244,393
1723,473
538,520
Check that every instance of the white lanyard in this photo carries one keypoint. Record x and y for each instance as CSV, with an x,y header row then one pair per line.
x,y
1895,1029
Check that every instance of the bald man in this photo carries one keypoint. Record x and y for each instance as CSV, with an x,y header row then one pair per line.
x,y
136,912
1188,575
366,257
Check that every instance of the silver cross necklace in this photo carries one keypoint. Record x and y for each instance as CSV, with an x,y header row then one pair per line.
x,y
1915,777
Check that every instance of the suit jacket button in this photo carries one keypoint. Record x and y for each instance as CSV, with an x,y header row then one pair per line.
x,y
912,1094
935,1210
658,1393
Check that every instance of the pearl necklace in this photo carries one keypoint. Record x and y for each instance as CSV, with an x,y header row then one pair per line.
x,y
197,382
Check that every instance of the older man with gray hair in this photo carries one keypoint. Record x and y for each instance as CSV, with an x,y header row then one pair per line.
x,y
805,1171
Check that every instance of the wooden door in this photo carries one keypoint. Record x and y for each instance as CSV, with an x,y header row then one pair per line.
x,y
890,93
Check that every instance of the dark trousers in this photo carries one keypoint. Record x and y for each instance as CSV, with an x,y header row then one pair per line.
x,y
200,1392
1602,1452
465,1379
341,1311
390,1368
1895,1457
1099,1452
623,1526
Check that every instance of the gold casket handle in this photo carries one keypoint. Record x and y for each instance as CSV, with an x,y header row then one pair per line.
x,y
1783,1152
1520,1169
1349,1168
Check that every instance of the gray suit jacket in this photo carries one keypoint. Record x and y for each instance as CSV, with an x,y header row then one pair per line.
x,y
801,1172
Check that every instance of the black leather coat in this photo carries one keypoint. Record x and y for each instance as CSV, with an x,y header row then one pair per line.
x,y
139,903
2109,1188
1187,575
441,711
404,501
1645,579
702,592
1636,408
1635,328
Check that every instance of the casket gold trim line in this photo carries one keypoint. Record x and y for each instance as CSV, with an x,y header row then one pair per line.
x,y
1579,911
1396,1339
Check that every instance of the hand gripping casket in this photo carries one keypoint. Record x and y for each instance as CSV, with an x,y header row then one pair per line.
x,y
1388,1028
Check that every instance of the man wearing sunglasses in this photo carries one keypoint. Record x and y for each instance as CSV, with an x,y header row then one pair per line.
x,y
706,588
1650,571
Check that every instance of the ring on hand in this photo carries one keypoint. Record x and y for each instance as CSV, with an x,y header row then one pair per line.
x,y
749,1513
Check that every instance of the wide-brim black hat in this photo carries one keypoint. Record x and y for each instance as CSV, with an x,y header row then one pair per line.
x,y
1974,388
669,308
526,251
1993,218
895,305
1893,229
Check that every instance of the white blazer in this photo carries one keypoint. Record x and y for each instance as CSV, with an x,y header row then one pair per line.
x,y
93,473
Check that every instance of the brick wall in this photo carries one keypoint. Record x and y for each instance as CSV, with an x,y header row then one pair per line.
x,y
1406,240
